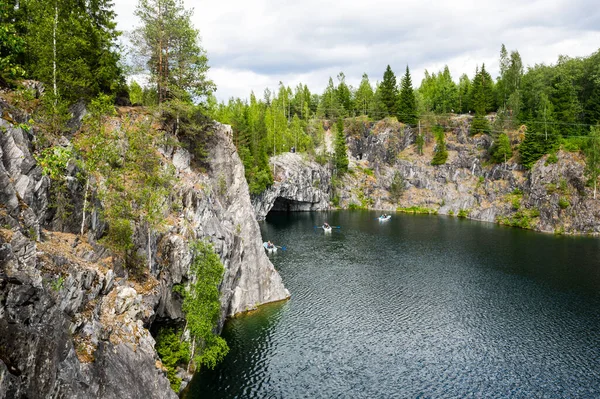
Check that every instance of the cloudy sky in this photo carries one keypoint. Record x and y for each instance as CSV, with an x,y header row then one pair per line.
x,y
255,44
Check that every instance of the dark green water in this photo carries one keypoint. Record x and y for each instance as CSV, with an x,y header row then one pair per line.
x,y
418,307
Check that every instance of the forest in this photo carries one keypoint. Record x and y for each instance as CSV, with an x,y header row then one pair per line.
x,y
72,47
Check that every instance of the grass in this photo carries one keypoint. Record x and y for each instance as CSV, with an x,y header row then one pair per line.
x,y
417,210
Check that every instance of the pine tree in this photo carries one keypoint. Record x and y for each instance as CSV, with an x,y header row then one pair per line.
x,y
389,92
169,45
407,107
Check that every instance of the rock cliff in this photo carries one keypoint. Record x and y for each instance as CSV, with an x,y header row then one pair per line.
x,y
73,323
551,197
300,185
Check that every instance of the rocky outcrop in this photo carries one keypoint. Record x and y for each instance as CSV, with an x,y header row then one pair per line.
x,y
72,321
551,197
300,185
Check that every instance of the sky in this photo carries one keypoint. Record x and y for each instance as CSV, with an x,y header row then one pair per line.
x,y
252,45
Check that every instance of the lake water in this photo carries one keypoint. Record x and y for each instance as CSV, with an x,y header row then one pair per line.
x,y
418,307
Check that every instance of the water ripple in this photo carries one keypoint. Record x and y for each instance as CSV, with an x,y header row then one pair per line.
x,y
420,307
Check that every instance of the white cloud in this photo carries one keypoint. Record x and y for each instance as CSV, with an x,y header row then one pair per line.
x,y
255,44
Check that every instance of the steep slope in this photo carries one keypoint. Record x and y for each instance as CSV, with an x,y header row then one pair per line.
x,y
73,321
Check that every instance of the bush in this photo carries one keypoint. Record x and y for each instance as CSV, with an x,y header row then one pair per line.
x,y
463,213
202,306
173,352
563,203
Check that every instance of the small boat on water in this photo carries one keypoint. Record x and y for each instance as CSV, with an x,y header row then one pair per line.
x,y
326,229
269,248
384,218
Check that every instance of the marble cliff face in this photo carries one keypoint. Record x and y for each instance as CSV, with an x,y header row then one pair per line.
x,y
73,323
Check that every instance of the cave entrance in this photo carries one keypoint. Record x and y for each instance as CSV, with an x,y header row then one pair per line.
x,y
288,205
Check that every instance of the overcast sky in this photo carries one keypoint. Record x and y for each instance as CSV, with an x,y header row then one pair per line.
x,y
254,44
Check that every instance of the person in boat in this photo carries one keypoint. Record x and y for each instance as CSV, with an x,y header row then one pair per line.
x,y
270,245
325,225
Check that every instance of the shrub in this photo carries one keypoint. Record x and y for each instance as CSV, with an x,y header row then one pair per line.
x,y
202,307
173,352
563,203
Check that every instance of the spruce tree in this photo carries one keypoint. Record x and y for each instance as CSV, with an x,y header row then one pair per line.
x,y
441,153
407,106
592,157
389,92
341,158
501,151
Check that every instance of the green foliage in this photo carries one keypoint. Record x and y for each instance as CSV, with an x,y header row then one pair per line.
x,y
389,92
439,92
173,351
58,283
82,60
54,161
134,183
136,94
420,142
397,187
202,306
169,46
563,203
407,105
11,42
417,210
592,157
501,150
441,153
341,158
552,158
463,213
364,95
523,218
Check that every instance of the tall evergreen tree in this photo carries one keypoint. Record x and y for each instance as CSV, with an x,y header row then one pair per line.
x,y
169,45
481,99
389,92
407,107
592,156
341,157
541,136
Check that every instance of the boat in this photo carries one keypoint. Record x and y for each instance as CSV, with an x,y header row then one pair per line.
x,y
269,250
384,218
327,229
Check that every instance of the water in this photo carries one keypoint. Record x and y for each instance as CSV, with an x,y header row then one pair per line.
x,y
418,307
